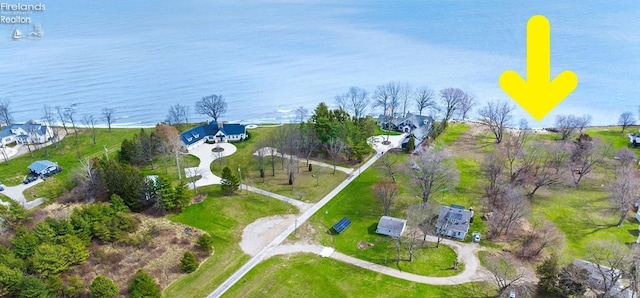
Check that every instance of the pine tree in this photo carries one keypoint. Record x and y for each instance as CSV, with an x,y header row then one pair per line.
x,y
548,275
205,242
229,182
143,285
103,287
411,145
188,263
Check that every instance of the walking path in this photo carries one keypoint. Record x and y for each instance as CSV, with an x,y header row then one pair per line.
x,y
300,204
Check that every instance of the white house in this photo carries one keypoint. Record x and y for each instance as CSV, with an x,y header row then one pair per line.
x,y
453,221
213,132
30,132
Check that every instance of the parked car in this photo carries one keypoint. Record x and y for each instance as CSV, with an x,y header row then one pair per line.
x,y
29,179
512,294
1,188
476,237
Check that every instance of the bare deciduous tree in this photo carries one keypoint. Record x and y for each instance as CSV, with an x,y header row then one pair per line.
x,y
387,192
170,143
424,217
406,92
496,116
545,167
424,98
586,153
623,190
178,114
611,261
451,100
301,114
5,156
213,106
308,141
5,113
355,101
388,165
431,170
69,115
466,104
335,147
626,119
541,235
625,157
90,123
583,121
510,205
566,125
60,111
193,174
87,177
504,270
49,120
108,114
387,97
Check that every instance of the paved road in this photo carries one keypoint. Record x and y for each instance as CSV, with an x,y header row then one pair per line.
x,y
264,253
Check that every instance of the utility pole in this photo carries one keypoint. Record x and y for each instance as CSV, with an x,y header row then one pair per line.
x,y
240,175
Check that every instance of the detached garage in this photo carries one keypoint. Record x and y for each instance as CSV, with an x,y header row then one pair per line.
x,y
391,226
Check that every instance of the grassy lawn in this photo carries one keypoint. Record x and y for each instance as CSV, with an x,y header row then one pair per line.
x,y
381,132
170,170
67,154
284,277
359,204
453,133
224,218
613,136
308,186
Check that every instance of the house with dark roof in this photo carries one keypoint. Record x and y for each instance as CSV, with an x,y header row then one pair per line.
x,y
391,226
30,132
43,168
453,221
417,125
213,132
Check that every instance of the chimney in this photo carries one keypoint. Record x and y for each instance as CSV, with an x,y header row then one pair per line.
x,y
220,124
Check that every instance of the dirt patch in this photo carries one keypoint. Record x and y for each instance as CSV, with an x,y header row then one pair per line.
x,y
364,245
261,232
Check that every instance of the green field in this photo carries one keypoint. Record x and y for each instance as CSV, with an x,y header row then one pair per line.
x,y
224,217
304,275
308,186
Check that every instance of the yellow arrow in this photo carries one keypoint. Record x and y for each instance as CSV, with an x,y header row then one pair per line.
x,y
538,95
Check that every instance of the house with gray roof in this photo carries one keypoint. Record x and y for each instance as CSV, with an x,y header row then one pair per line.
x,y
30,132
613,283
414,125
391,226
213,132
453,221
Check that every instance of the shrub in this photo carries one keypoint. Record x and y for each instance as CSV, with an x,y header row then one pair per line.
x,y
143,285
188,263
103,287
205,242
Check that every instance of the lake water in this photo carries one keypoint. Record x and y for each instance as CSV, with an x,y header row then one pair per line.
x,y
269,57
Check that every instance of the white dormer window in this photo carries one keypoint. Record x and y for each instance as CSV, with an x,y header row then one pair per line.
x,y
189,139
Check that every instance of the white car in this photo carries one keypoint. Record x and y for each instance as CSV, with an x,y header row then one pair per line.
x,y
475,237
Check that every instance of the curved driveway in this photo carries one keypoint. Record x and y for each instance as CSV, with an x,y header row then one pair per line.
x,y
206,156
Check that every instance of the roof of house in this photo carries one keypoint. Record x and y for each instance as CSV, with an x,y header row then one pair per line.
x,y
29,126
391,223
453,218
198,133
39,165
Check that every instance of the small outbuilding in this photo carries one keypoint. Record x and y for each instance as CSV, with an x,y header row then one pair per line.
x,y
43,168
391,226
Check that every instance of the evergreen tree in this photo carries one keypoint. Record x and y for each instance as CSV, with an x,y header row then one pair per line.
x,y
50,259
205,242
73,287
103,287
230,182
143,286
32,286
188,263
10,280
411,145
548,275
117,204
